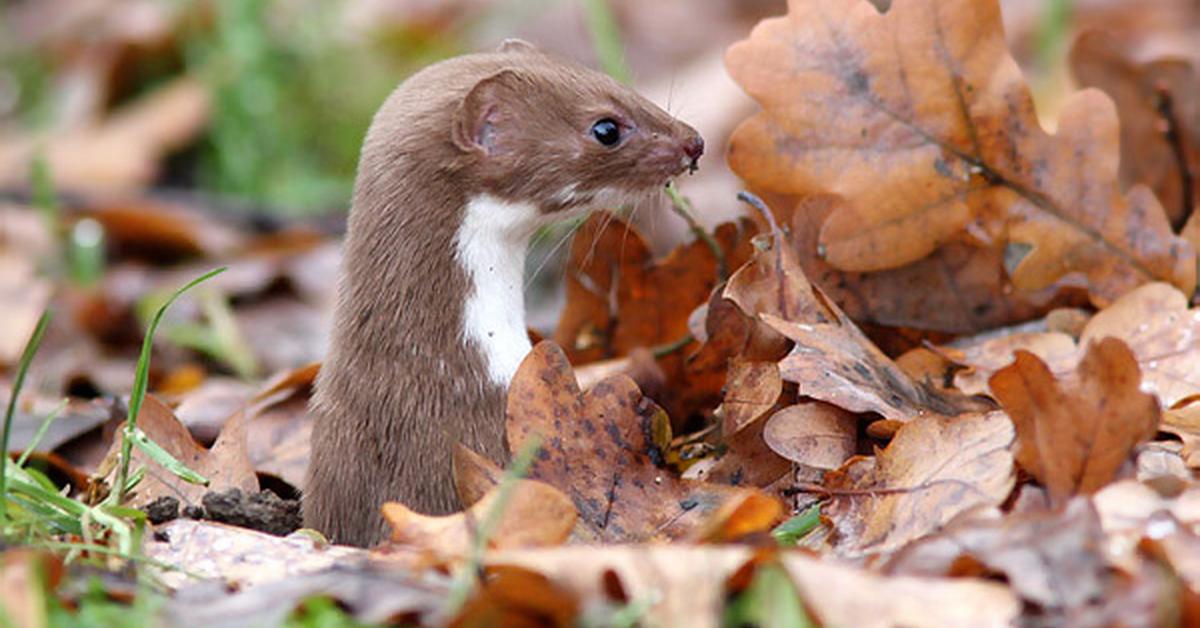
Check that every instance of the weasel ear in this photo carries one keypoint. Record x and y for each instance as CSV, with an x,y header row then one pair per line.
x,y
483,111
516,45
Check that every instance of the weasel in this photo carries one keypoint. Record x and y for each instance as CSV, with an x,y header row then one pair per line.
x,y
462,163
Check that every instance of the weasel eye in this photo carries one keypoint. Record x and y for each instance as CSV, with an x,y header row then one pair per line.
x,y
607,131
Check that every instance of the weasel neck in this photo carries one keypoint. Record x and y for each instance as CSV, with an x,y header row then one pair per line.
x,y
491,245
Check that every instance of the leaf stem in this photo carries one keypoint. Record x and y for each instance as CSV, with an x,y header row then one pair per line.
x,y
683,208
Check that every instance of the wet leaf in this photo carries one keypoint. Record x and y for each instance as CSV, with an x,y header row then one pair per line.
x,y
1075,435
1154,320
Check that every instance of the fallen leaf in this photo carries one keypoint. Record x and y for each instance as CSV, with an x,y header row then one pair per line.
x,y
1184,422
225,466
238,557
123,152
620,298
962,287
685,586
752,389
596,447
1075,435
832,359
1164,335
474,475
514,596
736,519
363,590
920,120
1153,320
934,469
1053,559
813,434
1159,106
26,578
533,514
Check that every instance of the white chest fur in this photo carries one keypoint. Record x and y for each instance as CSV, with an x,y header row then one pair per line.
x,y
491,245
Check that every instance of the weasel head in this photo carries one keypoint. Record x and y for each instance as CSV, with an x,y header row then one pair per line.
x,y
560,136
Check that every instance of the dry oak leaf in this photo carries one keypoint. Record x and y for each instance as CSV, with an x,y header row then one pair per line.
x,y
597,448
226,465
832,359
1052,558
1074,435
619,298
921,121
687,586
962,287
934,469
1184,422
533,514
1153,320
813,433
1159,106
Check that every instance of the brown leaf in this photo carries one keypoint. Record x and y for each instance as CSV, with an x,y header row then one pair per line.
x,y
685,586
515,596
962,287
832,359
1164,335
122,153
620,298
1184,422
1159,106
596,447
26,576
921,121
474,475
934,469
1052,559
226,465
813,433
1074,435
752,513
237,556
533,514
752,389
1153,320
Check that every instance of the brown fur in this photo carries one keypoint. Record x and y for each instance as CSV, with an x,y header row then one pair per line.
x,y
513,124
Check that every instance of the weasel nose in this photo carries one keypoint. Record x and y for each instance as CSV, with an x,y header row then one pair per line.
x,y
694,147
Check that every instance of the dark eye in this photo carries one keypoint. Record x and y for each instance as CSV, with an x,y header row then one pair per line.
x,y
607,131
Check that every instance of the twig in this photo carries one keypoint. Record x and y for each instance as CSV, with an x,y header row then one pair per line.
x,y
683,208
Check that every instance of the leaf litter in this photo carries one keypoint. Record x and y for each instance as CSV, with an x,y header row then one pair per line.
x,y
1031,461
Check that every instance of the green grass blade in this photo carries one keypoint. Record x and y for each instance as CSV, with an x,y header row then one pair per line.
x,y
41,432
155,452
31,347
138,394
